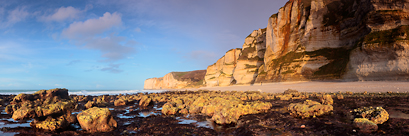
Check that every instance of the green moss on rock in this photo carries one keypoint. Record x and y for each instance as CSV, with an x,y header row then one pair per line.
x,y
387,37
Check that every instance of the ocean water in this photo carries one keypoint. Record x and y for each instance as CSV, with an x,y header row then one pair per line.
x,y
85,92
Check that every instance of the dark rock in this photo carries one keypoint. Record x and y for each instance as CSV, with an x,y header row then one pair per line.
x,y
365,125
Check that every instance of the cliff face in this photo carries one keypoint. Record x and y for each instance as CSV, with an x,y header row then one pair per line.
x,y
322,40
177,80
221,72
337,39
239,66
251,58
329,40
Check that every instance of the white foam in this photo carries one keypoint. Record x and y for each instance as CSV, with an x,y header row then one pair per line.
x,y
112,92
15,92
85,92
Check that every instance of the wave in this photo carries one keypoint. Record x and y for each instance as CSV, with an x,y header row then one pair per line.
x,y
112,92
84,92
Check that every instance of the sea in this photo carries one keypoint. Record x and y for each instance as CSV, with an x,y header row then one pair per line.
x,y
85,92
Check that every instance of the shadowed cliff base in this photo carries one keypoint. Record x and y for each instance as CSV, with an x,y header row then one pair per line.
x,y
317,86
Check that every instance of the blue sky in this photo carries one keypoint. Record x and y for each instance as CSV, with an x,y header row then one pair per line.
x,y
106,44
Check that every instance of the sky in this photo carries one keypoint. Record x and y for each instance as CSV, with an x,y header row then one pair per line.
x,y
117,44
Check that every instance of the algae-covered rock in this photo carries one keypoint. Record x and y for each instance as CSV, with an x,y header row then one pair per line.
x,y
120,102
52,124
308,109
169,109
89,104
97,120
11,108
50,109
42,111
145,101
223,108
365,125
378,115
291,91
327,99
340,96
23,113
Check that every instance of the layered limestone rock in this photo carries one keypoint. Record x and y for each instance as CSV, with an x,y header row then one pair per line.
x,y
251,58
328,39
221,72
176,80
153,83
322,40
239,66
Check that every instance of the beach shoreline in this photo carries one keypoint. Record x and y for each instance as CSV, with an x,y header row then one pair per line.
x,y
152,114
315,86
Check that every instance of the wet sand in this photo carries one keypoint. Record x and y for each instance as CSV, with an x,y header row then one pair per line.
x,y
369,86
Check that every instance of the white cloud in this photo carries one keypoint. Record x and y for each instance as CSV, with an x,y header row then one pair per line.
x,y
73,62
17,15
99,86
62,14
92,34
113,68
1,11
92,26
110,47
138,29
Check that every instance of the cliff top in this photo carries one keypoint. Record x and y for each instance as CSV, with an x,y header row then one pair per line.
x,y
194,76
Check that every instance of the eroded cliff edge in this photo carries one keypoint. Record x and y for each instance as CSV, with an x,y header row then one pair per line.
x,y
322,40
177,80
334,40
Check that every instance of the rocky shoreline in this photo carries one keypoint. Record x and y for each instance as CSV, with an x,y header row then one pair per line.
x,y
206,113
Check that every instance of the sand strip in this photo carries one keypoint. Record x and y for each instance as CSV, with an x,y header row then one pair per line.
x,y
369,86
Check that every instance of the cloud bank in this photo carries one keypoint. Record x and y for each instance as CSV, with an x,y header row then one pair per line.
x,y
92,34
17,15
62,14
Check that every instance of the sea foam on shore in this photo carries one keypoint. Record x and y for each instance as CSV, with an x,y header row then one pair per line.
x,y
84,92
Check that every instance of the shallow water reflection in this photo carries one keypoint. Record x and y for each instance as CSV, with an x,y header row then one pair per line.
x,y
156,108
205,124
122,116
2,125
9,120
147,114
8,133
398,112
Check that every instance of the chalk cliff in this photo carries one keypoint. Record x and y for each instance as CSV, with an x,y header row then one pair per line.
x,y
330,40
176,80
221,72
322,40
337,39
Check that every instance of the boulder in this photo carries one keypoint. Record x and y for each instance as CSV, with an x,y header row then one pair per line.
x,y
365,125
97,120
50,109
327,99
145,101
290,91
377,115
340,96
89,104
53,124
42,111
169,109
120,102
308,109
